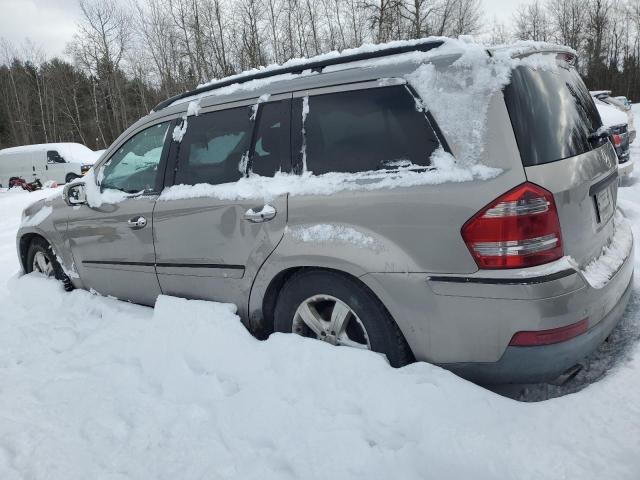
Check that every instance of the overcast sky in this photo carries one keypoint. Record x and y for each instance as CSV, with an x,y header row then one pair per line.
x,y
50,24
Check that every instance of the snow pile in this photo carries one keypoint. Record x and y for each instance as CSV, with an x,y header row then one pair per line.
x,y
444,169
97,388
328,233
600,270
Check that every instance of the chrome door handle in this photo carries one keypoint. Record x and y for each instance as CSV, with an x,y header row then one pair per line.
x,y
265,214
137,222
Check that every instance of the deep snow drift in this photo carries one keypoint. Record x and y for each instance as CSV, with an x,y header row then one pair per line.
x,y
91,387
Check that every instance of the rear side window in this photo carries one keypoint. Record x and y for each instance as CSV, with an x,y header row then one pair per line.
x,y
213,150
364,130
552,114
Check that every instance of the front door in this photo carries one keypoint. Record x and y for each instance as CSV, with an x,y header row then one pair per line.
x,y
112,239
210,244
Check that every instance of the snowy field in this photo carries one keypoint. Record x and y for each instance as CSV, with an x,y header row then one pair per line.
x,y
95,388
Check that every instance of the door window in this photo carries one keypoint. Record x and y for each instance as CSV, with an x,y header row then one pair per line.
x,y
214,148
364,130
54,157
271,146
134,167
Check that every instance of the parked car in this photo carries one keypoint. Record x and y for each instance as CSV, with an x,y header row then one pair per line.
x,y
60,162
605,96
390,199
624,100
616,122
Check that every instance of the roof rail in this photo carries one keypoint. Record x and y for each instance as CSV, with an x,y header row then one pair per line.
x,y
316,65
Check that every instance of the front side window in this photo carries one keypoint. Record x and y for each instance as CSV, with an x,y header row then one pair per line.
x,y
54,157
365,130
134,167
214,148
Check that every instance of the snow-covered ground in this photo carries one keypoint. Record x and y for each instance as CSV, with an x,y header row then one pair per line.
x,y
92,387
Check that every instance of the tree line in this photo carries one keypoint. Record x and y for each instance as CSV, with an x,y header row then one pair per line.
x,y
124,58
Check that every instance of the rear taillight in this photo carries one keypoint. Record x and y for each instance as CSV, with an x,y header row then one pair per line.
x,y
518,229
617,140
548,337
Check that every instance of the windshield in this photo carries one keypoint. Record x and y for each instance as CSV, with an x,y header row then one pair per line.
x,y
552,114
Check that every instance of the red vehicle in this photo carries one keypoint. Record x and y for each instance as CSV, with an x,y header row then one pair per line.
x,y
21,182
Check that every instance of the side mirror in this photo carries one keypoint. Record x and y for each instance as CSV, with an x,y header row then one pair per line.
x,y
74,194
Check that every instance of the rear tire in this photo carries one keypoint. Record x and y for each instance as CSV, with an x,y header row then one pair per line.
x,y
366,325
40,258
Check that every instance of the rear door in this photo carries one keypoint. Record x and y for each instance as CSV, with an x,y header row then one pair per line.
x,y
555,121
112,244
208,245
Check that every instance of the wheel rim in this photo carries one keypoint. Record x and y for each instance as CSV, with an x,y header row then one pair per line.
x,y
42,264
331,320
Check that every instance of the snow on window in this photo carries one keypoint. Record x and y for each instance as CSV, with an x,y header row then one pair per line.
x,y
444,169
95,197
244,161
192,110
458,97
261,99
328,233
180,130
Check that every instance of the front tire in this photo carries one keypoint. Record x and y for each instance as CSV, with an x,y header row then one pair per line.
x,y
40,258
339,310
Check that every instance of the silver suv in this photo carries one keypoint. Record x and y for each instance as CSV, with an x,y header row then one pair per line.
x,y
431,201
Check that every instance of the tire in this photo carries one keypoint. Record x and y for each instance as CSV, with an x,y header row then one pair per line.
x,y
40,248
70,177
324,290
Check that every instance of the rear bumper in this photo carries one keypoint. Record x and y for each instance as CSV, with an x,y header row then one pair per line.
x,y
465,324
624,169
543,363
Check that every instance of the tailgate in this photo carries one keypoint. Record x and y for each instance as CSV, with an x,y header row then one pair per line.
x,y
585,190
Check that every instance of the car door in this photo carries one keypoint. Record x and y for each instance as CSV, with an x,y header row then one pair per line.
x,y
55,169
211,248
112,244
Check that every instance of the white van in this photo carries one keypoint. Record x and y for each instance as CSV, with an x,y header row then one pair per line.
x,y
60,162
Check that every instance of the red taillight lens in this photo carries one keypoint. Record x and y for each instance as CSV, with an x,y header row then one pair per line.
x,y
518,229
547,337
617,140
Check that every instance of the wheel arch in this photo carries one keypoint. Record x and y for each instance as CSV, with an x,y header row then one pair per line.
x,y
262,314
24,242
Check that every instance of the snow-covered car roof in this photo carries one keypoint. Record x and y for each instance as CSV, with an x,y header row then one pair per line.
x,y
71,152
371,56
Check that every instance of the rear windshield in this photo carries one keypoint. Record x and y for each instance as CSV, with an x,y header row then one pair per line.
x,y
552,114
